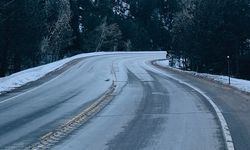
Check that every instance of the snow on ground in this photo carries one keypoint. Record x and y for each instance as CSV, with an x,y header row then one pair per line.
x,y
21,78
243,85
163,63
18,79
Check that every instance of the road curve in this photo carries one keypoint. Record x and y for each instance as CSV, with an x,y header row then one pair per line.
x,y
234,104
147,111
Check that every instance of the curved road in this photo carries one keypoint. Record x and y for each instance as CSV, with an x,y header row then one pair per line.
x,y
147,111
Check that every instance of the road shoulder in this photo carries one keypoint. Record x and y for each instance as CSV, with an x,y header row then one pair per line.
x,y
33,84
234,105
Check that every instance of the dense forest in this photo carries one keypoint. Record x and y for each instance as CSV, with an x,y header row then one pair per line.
x,y
200,33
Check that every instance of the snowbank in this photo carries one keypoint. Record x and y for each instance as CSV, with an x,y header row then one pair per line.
x,y
18,79
243,85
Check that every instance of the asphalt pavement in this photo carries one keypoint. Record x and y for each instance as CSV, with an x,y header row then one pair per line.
x,y
147,111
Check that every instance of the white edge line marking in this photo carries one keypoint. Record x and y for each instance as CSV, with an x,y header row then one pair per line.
x,y
225,129
32,89
45,83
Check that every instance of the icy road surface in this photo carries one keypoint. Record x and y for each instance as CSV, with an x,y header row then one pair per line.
x,y
148,110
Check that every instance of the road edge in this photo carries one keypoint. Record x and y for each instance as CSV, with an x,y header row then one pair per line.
x,y
201,77
61,70
223,124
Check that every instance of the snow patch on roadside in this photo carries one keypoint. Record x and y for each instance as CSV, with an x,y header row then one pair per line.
x,y
163,63
243,85
18,79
